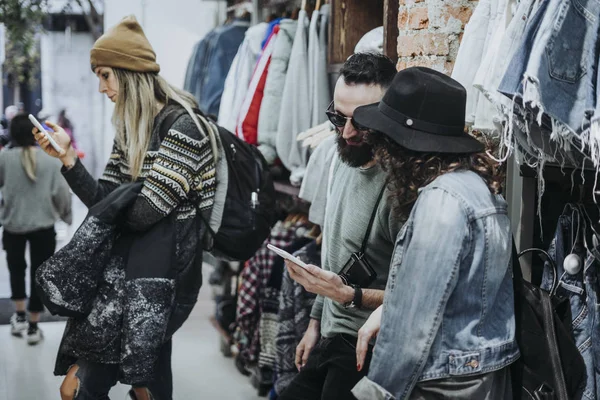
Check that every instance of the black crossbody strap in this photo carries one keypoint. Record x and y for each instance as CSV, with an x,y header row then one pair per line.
x,y
373,215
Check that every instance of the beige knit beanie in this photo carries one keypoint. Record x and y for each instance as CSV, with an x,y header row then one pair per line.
x,y
124,46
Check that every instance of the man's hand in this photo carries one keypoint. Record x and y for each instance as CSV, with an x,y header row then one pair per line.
x,y
324,283
368,331
308,342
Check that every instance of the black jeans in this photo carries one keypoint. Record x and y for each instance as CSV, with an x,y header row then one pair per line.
x,y
96,380
330,372
42,244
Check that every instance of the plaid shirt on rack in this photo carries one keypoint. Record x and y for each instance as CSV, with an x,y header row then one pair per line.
x,y
254,279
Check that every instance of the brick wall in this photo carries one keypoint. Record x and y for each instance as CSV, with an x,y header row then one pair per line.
x,y
430,32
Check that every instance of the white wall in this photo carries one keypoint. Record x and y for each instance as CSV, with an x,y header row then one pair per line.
x,y
68,82
173,27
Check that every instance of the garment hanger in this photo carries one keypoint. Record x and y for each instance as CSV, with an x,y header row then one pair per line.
x,y
318,139
312,131
316,136
318,5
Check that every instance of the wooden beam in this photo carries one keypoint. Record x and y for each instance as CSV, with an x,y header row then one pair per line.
x,y
390,28
350,20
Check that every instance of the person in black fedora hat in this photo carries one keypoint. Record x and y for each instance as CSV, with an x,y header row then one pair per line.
x,y
452,335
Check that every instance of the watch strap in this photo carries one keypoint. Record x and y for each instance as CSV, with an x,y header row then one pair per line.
x,y
357,296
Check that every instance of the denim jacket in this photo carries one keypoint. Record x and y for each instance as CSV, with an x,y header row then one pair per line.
x,y
449,305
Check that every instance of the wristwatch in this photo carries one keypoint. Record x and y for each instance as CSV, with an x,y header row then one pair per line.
x,y
357,300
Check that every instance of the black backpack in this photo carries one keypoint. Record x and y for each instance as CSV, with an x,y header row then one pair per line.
x,y
250,211
550,366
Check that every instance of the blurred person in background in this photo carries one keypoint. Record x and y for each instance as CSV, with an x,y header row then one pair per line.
x,y
34,197
9,114
65,123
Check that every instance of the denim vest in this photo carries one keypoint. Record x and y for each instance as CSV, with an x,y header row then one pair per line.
x,y
449,303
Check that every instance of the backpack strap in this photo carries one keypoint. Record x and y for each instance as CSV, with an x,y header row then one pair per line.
x,y
168,122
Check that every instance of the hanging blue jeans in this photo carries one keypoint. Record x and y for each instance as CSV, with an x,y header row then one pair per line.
x,y
584,312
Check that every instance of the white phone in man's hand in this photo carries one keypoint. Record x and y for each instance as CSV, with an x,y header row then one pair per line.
x,y
53,143
287,255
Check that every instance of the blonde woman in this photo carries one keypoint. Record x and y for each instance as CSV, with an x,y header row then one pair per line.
x,y
173,169
34,197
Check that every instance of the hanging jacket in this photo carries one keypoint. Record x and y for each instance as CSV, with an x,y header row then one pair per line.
x,y
295,115
212,65
191,82
198,61
271,103
238,78
247,127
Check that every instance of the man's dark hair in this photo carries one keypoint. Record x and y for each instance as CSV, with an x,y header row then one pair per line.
x,y
368,69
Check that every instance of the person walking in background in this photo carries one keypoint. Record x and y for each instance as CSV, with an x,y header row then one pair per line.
x,y
65,123
34,197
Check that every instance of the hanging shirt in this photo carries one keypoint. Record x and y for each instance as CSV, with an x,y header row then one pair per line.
x,y
320,92
295,304
254,280
295,115
316,180
471,52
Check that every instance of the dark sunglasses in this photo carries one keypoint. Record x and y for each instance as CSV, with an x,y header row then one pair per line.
x,y
339,120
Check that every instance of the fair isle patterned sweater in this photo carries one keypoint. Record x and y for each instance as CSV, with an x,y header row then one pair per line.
x,y
179,166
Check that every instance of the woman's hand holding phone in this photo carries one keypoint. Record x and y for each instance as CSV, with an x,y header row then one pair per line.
x,y
68,156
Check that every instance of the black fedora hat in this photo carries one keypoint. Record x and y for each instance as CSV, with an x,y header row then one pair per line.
x,y
424,111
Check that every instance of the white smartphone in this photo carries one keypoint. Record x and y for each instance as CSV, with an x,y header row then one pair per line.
x,y
53,143
286,255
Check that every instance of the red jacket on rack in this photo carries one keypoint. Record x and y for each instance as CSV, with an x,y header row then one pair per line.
x,y
247,127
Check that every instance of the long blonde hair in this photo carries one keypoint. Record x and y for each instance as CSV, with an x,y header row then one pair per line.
x,y
29,162
135,110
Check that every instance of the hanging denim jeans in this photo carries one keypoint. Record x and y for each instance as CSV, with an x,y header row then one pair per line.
x,y
574,288
593,290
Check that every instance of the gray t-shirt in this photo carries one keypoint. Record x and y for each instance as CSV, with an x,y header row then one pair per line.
x,y
29,206
353,195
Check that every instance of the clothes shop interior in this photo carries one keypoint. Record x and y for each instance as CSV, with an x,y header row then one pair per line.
x,y
268,74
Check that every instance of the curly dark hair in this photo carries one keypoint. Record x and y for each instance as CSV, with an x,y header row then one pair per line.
x,y
408,170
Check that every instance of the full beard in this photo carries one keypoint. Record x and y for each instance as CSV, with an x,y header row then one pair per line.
x,y
354,156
